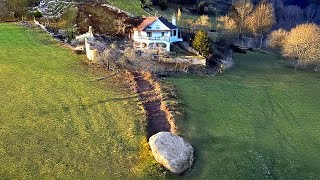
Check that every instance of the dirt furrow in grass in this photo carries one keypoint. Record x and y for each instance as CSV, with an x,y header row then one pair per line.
x,y
158,116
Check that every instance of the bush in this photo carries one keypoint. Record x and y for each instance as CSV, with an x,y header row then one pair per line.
x,y
277,39
37,14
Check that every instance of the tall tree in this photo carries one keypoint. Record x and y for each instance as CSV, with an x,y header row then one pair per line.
x,y
179,14
261,20
241,11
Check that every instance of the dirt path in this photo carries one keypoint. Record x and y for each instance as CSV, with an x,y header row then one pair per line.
x,y
150,95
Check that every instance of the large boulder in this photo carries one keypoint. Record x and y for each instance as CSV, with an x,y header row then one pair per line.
x,y
171,151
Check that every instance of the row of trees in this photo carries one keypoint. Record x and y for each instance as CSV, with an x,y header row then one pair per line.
x,y
244,17
292,13
302,44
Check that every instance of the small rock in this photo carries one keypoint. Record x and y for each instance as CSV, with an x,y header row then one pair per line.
x,y
172,151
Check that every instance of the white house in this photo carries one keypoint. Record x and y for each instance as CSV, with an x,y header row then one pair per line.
x,y
156,33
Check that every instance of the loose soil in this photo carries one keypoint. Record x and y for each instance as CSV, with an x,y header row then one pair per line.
x,y
150,97
104,20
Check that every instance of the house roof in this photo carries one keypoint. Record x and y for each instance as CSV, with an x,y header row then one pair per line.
x,y
167,23
150,20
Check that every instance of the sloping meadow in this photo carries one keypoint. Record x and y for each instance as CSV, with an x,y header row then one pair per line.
x,y
55,122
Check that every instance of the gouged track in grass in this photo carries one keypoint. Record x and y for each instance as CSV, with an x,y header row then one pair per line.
x,y
159,117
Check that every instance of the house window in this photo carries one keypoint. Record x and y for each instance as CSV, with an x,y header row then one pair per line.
x,y
149,34
162,33
157,27
174,32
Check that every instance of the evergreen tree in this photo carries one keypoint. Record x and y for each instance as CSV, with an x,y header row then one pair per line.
x,y
201,43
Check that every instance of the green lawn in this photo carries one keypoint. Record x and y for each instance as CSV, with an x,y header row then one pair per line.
x,y
55,123
260,120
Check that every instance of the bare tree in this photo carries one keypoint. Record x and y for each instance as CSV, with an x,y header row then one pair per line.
x,y
303,44
261,20
226,23
290,17
312,13
203,22
242,8
111,57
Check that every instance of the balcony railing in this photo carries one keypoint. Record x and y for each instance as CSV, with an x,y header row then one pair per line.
x,y
159,38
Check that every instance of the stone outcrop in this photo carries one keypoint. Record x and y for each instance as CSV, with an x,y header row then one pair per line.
x,y
172,151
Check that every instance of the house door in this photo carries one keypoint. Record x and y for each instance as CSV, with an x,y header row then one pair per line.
x,y
149,34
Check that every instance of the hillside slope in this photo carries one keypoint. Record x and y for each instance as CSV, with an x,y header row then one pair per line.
x,y
56,123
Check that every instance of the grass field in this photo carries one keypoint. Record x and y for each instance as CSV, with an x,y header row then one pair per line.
x,y
132,6
260,120
55,123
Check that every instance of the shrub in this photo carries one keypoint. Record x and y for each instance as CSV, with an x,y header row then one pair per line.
x,y
37,14
277,39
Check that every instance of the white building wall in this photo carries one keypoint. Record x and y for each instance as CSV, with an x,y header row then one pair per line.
x,y
143,34
159,24
159,34
176,37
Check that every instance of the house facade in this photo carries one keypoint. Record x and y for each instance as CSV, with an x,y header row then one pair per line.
x,y
156,33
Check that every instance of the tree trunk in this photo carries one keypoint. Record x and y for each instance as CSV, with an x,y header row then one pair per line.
x,y
296,64
261,41
108,64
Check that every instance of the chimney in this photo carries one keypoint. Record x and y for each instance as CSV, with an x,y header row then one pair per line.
x,y
174,20
90,32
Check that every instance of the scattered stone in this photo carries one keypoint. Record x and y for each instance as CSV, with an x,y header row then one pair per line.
x,y
172,151
79,50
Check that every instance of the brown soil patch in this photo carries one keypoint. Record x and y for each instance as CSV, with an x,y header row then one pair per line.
x,y
158,115
103,20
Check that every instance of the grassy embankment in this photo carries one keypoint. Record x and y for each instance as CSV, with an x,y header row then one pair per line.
x,y
257,121
133,6
56,123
